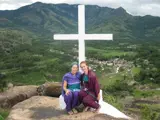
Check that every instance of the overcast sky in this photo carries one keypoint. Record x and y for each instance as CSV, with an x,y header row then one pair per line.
x,y
134,7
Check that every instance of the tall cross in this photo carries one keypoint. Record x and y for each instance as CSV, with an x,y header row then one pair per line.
x,y
81,36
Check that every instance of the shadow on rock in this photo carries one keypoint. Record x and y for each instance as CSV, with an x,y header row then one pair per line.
x,y
46,112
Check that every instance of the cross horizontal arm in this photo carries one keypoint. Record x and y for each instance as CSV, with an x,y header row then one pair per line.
x,y
98,37
65,37
86,37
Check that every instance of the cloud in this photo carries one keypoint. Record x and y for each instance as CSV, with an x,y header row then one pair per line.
x,y
134,7
13,4
14,1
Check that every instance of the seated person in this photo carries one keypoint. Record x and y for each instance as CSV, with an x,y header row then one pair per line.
x,y
70,88
90,93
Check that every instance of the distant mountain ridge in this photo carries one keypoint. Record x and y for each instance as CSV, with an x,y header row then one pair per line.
x,y
47,19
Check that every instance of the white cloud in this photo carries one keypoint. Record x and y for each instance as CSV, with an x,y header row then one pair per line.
x,y
152,9
134,7
5,6
13,4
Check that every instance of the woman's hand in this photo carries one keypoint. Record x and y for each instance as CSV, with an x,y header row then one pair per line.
x,y
98,98
65,88
67,92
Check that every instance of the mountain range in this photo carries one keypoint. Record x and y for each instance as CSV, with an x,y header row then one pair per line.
x,y
47,19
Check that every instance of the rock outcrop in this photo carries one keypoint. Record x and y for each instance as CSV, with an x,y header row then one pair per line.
x,y
16,95
20,93
50,89
47,108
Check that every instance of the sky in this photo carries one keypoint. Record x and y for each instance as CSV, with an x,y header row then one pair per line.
x,y
134,7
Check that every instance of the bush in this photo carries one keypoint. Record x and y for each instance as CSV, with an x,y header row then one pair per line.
x,y
148,114
113,101
119,88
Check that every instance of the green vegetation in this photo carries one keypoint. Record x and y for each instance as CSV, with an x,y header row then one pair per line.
x,y
107,54
113,101
136,70
145,94
33,63
149,114
148,59
111,79
3,114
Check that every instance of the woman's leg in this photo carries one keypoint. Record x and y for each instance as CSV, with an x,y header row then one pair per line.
x,y
75,99
82,94
68,100
89,101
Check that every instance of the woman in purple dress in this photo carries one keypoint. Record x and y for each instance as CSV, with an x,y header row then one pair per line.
x,y
90,92
71,87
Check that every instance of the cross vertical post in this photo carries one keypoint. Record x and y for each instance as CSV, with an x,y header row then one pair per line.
x,y
81,30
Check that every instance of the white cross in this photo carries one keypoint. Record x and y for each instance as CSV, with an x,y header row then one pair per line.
x,y
82,36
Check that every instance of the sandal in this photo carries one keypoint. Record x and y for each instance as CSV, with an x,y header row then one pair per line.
x,y
86,109
97,110
70,112
74,111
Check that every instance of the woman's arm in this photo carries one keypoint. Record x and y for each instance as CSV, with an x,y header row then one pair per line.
x,y
97,89
96,86
65,87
